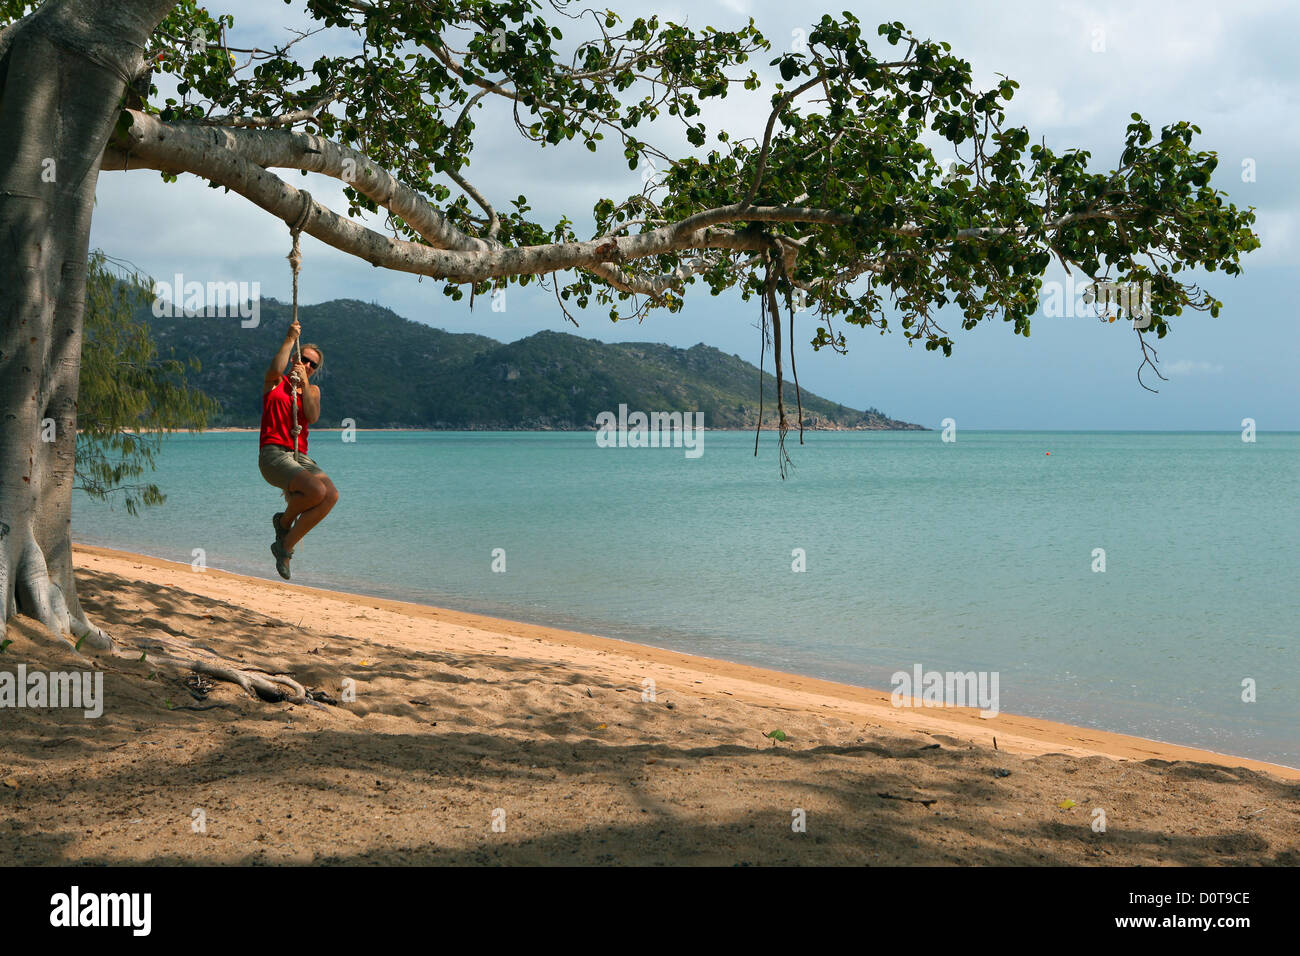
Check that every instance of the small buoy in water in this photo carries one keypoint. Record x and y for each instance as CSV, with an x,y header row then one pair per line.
x,y
1049,453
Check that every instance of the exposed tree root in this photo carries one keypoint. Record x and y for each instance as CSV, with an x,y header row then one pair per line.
x,y
271,688
37,596
88,635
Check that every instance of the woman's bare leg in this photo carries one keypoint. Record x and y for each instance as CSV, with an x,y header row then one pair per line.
x,y
306,491
309,508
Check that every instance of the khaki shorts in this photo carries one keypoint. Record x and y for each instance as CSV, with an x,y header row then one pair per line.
x,y
279,465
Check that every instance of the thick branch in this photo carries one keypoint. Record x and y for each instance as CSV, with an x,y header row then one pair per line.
x,y
203,150
239,158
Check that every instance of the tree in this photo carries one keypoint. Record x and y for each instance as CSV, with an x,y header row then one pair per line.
x,y
129,399
841,204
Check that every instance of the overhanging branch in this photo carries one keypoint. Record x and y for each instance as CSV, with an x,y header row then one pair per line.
x,y
239,159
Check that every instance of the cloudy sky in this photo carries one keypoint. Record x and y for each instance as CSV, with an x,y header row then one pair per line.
x,y
1229,68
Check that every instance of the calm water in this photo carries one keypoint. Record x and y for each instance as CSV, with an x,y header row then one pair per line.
x,y
974,555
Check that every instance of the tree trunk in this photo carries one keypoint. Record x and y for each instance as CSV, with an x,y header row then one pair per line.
x,y
62,74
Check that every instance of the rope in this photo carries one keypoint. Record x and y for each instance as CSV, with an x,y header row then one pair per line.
x,y
295,263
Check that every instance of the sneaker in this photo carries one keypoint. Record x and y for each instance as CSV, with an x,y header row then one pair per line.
x,y
281,558
279,531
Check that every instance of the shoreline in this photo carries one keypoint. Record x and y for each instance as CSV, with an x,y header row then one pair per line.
x,y
438,737
1011,733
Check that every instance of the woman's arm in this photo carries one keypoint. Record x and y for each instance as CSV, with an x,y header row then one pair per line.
x,y
311,404
276,368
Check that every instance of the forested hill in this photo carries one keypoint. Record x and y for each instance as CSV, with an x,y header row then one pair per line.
x,y
386,371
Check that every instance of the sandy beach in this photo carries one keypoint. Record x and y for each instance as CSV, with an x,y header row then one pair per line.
x,y
479,740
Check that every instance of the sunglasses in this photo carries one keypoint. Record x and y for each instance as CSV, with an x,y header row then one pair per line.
x,y
307,361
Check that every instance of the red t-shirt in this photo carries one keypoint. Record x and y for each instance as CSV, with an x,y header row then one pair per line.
x,y
277,417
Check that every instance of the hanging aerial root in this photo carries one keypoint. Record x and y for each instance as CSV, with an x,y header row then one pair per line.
x,y
762,355
778,258
769,304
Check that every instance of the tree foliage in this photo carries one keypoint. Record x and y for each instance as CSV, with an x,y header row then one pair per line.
x,y
887,210
130,399
842,204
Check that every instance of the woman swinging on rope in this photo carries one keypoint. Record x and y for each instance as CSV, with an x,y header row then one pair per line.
x,y
290,402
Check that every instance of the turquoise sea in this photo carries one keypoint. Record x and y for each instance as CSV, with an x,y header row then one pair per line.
x,y
971,555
